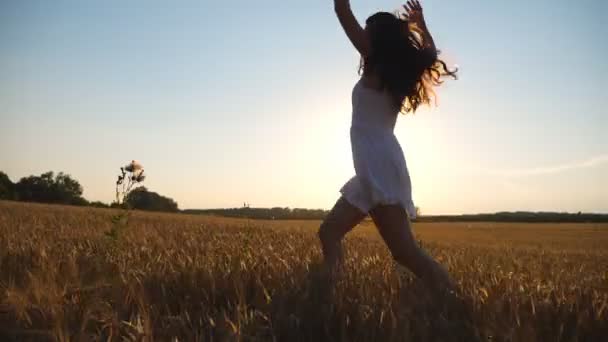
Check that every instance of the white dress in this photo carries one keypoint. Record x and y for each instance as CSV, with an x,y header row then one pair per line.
x,y
381,172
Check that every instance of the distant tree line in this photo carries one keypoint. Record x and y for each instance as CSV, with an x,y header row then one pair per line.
x,y
61,188
307,214
520,217
276,213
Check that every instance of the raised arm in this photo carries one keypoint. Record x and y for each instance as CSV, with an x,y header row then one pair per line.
x,y
351,26
415,17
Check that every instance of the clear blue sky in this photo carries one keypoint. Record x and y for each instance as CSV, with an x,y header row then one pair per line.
x,y
231,101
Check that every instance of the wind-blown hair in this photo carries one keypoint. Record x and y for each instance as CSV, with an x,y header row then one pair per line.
x,y
407,69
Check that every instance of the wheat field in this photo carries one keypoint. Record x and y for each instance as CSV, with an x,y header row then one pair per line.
x,y
83,274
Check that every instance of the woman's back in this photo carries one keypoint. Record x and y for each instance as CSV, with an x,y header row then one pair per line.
x,y
373,110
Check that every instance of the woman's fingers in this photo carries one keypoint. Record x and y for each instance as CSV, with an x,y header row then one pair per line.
x,y
413,10
407,11
412,6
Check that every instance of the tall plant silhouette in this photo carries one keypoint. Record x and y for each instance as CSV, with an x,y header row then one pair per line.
x,y
131,177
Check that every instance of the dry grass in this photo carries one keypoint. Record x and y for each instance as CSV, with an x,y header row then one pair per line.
x,y
205,278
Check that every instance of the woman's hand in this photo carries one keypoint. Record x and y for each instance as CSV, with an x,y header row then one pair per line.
x,y
415,18
340,4
414,15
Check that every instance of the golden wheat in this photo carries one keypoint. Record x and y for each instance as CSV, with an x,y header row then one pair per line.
x,y
192,278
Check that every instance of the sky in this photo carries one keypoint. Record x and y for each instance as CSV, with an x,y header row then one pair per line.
x,y
226,102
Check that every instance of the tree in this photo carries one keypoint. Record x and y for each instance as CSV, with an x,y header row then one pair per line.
x,y
141,198
7,188
61,189
68,190
99,204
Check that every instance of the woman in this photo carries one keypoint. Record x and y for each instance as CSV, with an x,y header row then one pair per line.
x,y
399,67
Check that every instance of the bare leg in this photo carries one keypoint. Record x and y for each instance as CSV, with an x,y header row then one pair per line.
x,y
394,226
342,218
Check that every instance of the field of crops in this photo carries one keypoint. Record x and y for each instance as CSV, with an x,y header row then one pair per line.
x,y
82,274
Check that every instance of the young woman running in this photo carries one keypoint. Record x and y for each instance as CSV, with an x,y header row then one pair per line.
x,y
399,68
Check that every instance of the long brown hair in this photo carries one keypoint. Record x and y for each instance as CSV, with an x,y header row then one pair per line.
x,y
406,69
